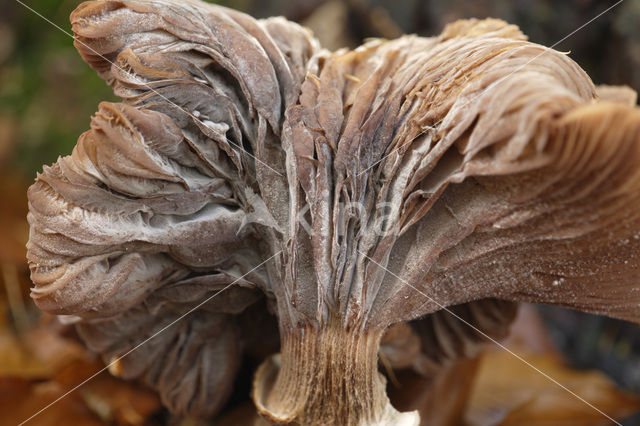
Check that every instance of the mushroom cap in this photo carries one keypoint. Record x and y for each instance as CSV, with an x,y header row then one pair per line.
x,y
158,207
249,168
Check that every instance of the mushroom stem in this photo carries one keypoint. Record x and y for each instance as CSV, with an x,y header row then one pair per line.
x,y
326,376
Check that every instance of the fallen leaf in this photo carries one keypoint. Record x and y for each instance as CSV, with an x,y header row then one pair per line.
x,y
39,353
111,399
13,223
41,365
508,392
20,399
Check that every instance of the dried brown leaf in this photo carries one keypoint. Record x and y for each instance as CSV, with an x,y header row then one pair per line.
x,y
508,392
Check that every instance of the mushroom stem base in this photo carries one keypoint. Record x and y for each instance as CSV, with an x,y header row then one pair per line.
x,y
326,376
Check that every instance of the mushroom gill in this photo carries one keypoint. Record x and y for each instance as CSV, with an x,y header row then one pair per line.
x,y
339,194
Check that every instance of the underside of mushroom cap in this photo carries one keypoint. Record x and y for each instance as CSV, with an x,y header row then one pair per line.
x,y
157,209
434,172
249,172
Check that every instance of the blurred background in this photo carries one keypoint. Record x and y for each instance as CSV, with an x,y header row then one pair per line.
x,y
47,95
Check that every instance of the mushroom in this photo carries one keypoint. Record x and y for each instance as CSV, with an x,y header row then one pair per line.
x,y
251,178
